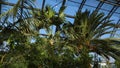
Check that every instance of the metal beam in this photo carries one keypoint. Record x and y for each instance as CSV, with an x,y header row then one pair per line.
x,y
12,4
99,6
115,29
108,2
94,7
21,9
43,4
112,11
63,3
81,5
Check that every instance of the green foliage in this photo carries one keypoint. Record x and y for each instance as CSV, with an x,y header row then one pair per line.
x,y
67,47
85,59
117,63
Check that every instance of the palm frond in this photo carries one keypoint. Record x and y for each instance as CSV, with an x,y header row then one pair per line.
x,y
110,47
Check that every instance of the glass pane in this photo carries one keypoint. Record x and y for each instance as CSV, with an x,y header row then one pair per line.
x,y
112,1
12,1
56,8
71,10
77,1
107,6
93,3
73,3
118,10
115,19
105,12
56,0
38,3
55,5
116,15
70,19
87,8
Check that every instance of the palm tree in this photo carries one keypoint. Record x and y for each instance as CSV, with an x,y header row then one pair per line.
x,y
13,29
68,47
86,33
26,23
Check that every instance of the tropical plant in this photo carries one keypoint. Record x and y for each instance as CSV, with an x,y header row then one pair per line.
x,y
86,33
66,47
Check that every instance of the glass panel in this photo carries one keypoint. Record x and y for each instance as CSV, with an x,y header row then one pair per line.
x,y
105,36
107,6
71,10
56,0
70,19
77,1
55,5
93,3
12,1
73,4
112,1
105,12
38,3
56,8
116,15
114,18
87,8
118,10
117,35
51,3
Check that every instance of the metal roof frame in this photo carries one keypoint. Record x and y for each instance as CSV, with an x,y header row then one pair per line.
x,y
97,8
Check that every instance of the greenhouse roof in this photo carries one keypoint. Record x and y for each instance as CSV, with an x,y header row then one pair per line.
x,y
110,8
